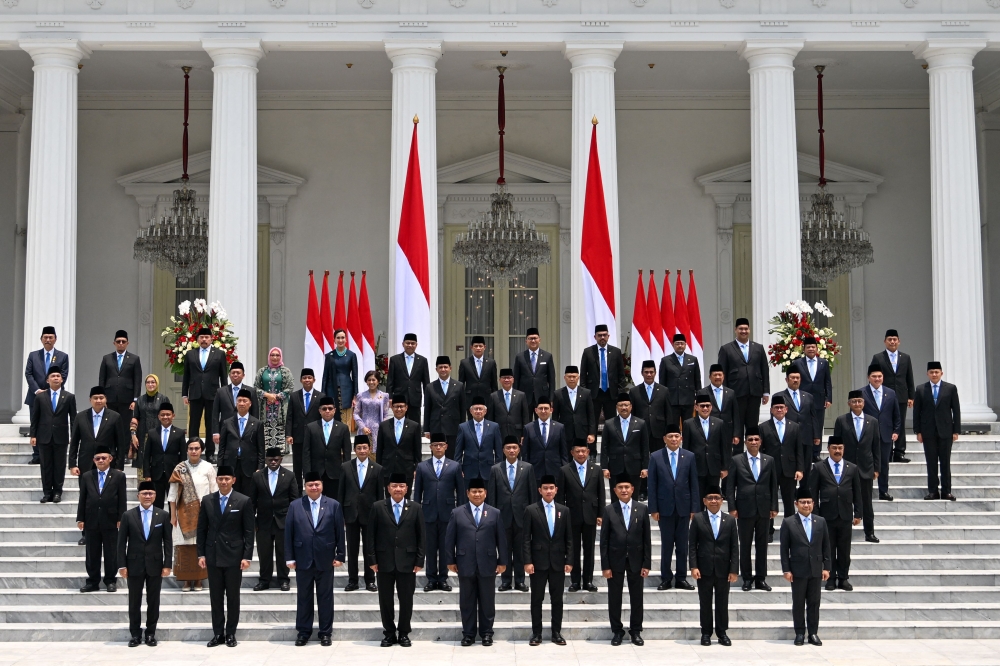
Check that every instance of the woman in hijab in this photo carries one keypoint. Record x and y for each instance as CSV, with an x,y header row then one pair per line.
x,y
274,385
147,409
340,377
189,482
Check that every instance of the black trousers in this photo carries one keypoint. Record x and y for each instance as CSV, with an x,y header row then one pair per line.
x,y
271,542
840,547
753,538
786,486
584,537
606,401
805,604
746,407
883,472
514,555
125,419
330,486
436,570
555,578
297,463
135,585
899,446
243,480
162,486
53,467
867,510
710,588
680,413
307,581
937,449
224,594
196,408
449,453
31,412
477,602
96,541
355,533
674,537
404,584
615,586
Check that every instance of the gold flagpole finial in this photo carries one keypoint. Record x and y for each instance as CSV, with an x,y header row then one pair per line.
x,y
594,120
415,119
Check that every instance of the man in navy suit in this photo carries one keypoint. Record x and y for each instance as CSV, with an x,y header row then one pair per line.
x,y
545,445
816,381
478,446
673,500
438,488
881,402
315,545
36,371
476,550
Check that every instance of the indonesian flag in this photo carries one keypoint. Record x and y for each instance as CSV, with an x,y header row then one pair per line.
x,y
640,333
313,357
696,343
354,322
367,355
339,312
681,312
667,316
413,283
326,316
596,258
655,322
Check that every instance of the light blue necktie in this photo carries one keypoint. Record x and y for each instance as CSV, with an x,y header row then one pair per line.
x,y
120,356
604,370
715,524
510,475
649,392
97,422
625,514
55,401
409,364
399,430
308,398
479,367
475,514
145,522
243,424
795,399
550,515
753,468
812,368
746,352
326,432
705,425
858,426
534,358
673,463
395,507
48,362
236,392
582,471
624,429
437,466
780,425
807,523
836,472
223,501
272,480
239,449
878,398
100,481
204,357
545,440
506,399
479,432
718,397
315,513
361,475
935,387
892,359
444,386
164,438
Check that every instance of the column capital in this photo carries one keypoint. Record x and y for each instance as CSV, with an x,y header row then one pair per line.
x,y
413,52
594,53
65,52
949,52
770,52
234,52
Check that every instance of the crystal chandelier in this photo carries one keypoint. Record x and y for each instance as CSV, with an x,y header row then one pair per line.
x,y
831,246
500,244
177,242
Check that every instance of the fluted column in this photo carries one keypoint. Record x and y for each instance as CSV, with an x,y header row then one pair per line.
x,y
50,254
956,247
414,94
774,184
593,72
232,217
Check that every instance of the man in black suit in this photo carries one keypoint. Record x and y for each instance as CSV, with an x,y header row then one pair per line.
x,y
314,546
897,373
859,432
937,421
546,542
51,420
621,452
303,409
581,489
439,487
395,544
204,373
799,410
121,376
724,404
816,381
744,363
98,515
752,494
713,550
479,445
805,561
681,374
92,428
703,436
626,553
360,487
545,445
534,370
509,407
602,372
476,550
408,375
399,447
241,442
328,446
225,546
779,438
881,402
164,449
651,403
444,401
145,556
224,405
511,488
36,372
573,407
272,490
835,487
477,373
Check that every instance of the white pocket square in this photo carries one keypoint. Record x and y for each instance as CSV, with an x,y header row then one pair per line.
x,y
235,511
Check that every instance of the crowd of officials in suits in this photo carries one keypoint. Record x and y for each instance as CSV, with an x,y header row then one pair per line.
x,y
514,487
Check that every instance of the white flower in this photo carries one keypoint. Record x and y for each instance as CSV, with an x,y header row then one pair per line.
x,y
200,304
823,309
792,308
220,314
184,308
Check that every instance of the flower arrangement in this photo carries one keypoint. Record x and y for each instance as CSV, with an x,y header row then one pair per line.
x,y
182,333
795,323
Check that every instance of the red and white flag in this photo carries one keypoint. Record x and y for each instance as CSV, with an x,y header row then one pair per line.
x,y
655,322
367,356
640,333
681,313
354,325
696,343
596,258
326,316
339,310
313,356
667,316
413,282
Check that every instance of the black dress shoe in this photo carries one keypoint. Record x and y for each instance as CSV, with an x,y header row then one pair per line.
x,y
762,585
230,640
535,640
665,585
900,459
444,587
216,640
949,497
350,587
135,641
683,585
57,498
467,641
831,584
575,587
637,639
404,641
871,538
724,640
89,588
302,640
151,640
286,585
706,639
371,587
522,587
590,587
45,498
885,497
388,641
770,537
112,587
35,461
616,638
487,641
932,496
845,585
814,640
816,459
325,641
430,587
261,586
747,585
504,587
800,639
558,639
82,541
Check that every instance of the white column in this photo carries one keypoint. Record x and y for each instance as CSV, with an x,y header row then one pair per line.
x,y
414,94
956,247
232,217
593,70
50,255
774,185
